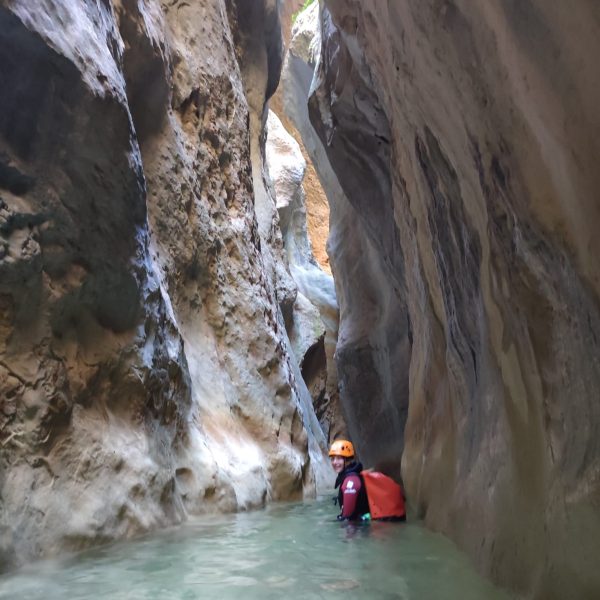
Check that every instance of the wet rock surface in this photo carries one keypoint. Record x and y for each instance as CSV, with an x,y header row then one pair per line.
x,y
145,369
465,137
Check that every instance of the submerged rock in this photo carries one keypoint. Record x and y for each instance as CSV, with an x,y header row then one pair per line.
x,y
465,137
145,370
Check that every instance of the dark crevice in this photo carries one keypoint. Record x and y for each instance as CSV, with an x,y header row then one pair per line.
x,y
13,180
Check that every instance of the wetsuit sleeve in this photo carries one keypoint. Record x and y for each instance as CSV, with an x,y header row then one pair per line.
x,y
350,489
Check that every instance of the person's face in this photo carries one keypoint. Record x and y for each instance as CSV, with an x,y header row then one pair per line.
x,y
338,463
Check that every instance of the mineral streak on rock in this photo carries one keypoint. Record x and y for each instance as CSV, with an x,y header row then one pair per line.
x,y
466,137
145,370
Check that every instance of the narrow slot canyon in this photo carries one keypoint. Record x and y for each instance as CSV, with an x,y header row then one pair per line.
x,y
235,231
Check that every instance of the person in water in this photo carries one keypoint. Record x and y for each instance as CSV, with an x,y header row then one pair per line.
x,y
352,495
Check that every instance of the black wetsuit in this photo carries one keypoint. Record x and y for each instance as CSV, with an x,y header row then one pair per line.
x,y
352,495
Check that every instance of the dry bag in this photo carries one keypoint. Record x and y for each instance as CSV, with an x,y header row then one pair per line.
x,y
385,496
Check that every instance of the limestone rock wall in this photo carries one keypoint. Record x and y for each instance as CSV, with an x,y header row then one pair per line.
x,y
365,279
321,187
465,137
145,370
314,324
317,205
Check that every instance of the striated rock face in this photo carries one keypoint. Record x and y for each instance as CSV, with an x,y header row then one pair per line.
x,y
465,137
145,370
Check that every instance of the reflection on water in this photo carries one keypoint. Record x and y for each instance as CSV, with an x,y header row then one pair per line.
x,y
291,550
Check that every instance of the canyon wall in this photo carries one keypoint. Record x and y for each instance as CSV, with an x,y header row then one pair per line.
x,y
313,333
145,367
296,78
308,205
465,137
372,308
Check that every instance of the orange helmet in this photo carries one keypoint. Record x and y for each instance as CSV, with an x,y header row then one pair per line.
x,y
342,448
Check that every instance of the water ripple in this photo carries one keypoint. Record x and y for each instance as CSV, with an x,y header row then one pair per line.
x,y
296,550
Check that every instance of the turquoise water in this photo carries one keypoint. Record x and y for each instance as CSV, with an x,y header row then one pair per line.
x,y
284,551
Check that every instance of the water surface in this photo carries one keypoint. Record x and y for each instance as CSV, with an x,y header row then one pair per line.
x,y
284,551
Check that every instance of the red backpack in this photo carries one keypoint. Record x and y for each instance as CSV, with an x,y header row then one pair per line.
x,y
386,500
